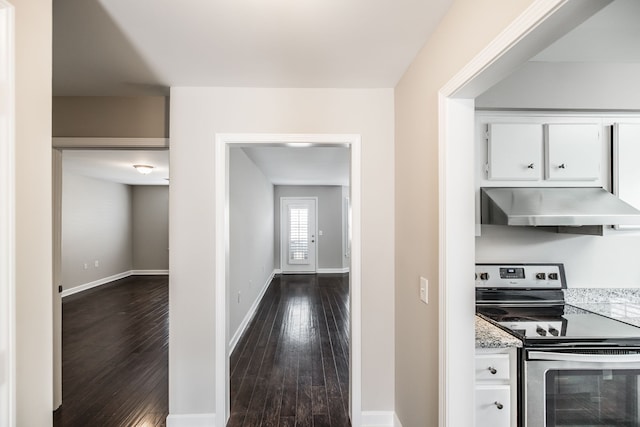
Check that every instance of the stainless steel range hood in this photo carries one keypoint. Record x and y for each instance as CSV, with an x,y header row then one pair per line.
x,y
581,210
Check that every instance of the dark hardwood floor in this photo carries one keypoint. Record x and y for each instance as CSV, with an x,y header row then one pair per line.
x,y
114,355
291,367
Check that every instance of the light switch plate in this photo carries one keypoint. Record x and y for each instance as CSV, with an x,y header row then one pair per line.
x,y
424,290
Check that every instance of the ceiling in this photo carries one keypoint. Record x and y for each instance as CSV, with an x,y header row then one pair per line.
x,y
143,47
117,165
302,166
611,35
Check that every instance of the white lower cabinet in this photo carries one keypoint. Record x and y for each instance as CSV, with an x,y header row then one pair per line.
x,y
496,388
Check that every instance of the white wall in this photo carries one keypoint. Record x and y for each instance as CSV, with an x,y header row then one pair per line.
x,y
567,85
197,114
590,261
150,226
251,236
33,213
96,226
329,219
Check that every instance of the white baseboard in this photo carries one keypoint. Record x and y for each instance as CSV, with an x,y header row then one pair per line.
x,y
332,270
191,420
380,419
110,279
95,284
150,272
318,271
250,313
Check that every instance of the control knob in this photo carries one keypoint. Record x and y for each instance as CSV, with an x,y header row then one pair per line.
x,y
553,276
484,276
553,331
541,276
541,331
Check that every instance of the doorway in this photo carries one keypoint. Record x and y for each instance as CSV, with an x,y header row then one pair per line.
x,y
298,235
224,143
113,224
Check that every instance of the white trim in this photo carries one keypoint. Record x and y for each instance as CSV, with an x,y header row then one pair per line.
x,y
191,420
282,237
250,314
110,143
95,283
222,143
149,272
7,222
332,270
396,420
518,42
378,418
277,271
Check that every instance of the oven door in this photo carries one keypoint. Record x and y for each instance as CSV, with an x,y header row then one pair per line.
x,y
574,389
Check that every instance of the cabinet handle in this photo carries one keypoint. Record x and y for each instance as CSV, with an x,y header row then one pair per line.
x,y
498,405
492,370
531,166
562,166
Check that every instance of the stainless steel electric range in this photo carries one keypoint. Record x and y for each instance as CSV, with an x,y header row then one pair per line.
x,y
577,368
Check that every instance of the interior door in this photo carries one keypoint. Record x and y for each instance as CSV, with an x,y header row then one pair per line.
x,y
298,235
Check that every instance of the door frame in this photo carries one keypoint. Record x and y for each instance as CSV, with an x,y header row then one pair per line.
x,y
223,142
59,145
7,219
281,237
543,22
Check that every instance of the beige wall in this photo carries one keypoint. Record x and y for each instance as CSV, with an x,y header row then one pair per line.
x,y
111,116
197,114
96,226
250,237
33,213
150,214
467,28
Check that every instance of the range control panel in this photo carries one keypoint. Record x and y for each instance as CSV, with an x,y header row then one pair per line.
x,y
520,276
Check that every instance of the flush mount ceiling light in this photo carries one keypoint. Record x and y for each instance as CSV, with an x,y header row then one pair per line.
x,y
143,169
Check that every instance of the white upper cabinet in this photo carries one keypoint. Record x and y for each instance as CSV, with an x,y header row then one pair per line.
x,y
514,151
572,152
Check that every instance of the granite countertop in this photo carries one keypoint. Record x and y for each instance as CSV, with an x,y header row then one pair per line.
x,y
618,303
491,336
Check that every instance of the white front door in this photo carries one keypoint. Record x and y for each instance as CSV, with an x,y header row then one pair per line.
x,y
298,235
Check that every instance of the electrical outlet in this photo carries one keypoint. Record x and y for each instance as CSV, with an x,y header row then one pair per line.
x,y
424,290
96,263
86,265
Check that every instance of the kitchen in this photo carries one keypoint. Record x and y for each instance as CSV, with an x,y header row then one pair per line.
x,y
585,79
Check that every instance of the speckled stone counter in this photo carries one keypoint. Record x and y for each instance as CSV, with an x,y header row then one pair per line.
x,y
490,336
619,303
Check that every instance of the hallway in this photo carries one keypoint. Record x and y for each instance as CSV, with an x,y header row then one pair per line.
x,y
114,355
291,367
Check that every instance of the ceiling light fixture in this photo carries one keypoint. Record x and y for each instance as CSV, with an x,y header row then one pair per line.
x,y
299,144
143,169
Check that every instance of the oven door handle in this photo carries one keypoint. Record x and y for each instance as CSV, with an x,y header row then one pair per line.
x,y
588,358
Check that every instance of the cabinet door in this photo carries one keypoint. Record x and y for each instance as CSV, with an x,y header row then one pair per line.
x,y
573,152
493,406
514,151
